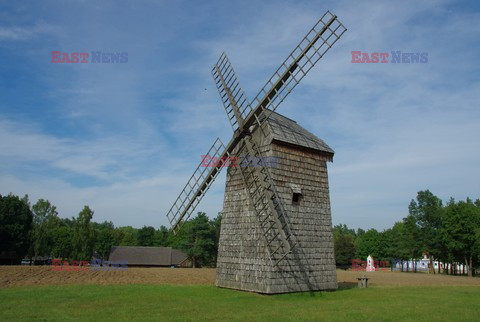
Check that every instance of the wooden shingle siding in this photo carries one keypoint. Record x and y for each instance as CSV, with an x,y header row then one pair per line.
x,y
243,258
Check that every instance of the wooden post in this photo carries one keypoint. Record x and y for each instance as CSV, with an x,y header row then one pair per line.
x,y
362,281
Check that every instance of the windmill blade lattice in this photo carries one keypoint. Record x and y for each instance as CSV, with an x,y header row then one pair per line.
x,y
230,90
328,30
196,187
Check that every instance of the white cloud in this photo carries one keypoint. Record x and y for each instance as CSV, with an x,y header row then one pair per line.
x,y
20,33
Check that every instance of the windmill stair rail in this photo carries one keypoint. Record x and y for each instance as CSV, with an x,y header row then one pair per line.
x,y
266,203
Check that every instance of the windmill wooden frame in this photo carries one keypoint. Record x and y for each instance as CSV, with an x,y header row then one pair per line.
x,y
249,121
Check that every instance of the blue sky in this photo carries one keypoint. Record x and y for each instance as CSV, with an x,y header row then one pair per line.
x,y
125,138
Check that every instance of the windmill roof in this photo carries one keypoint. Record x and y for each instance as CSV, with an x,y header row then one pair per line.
x,y
288,131
148,256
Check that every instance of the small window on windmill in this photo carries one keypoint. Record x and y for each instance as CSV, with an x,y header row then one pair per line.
x,y
296,194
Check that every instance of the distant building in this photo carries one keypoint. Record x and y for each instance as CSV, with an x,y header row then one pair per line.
x,y
419,265
423,265
370,264
149,256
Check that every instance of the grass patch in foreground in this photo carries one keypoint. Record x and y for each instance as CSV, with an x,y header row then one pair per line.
x,y
169,302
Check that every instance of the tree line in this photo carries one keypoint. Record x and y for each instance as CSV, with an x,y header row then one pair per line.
x,y
448,233
37,231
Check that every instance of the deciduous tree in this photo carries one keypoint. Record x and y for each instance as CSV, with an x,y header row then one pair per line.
x,y
44,220
83,235
461,222
146,236
344,249
427,213
15,224
105,238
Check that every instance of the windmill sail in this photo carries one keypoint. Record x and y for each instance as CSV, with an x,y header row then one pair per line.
x,y
307,53
233,98
196,187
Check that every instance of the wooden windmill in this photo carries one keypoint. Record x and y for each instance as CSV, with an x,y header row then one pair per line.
x,y
276,233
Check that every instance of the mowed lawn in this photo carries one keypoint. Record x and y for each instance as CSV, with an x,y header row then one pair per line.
x,y
206,302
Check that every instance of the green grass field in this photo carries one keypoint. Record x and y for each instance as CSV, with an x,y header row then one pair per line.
x,y
204,302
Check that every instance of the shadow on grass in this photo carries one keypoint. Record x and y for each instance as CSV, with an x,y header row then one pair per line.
x,y
343,286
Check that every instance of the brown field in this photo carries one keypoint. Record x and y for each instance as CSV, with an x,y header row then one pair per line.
x,y
406,279
11,276
43,275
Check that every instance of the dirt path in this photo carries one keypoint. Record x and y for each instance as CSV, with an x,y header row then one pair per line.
x,y
11,276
